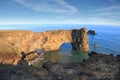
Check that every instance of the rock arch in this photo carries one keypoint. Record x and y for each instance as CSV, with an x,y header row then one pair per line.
x,y
66,46
51,40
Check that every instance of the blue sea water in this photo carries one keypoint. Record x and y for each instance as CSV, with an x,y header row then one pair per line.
x,y
107,38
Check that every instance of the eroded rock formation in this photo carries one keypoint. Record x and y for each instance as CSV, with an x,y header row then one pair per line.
x,y
51,40
80,39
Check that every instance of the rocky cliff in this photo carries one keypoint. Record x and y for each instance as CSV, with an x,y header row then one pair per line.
x,y
18,41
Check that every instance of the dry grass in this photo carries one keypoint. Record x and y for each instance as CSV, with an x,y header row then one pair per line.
x,y
55,32
8,51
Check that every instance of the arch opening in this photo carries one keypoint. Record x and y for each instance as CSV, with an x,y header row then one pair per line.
x,y
66,48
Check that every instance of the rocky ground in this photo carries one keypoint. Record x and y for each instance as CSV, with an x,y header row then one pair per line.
x,y
96,67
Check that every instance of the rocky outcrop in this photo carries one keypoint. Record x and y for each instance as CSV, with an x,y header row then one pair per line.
x,y
80,39
29,41
92,32
51,40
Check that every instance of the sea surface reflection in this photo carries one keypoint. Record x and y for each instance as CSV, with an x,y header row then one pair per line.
x,y
58,56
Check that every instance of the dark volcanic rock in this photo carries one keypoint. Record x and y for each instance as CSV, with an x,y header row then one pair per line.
x,y
118,56
96,67
111,54
92,32
92,53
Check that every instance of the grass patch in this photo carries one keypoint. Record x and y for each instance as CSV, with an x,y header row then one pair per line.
x,y
8,51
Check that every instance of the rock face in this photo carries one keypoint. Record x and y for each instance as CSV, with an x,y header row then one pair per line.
x,y
51,40
80,39
29,41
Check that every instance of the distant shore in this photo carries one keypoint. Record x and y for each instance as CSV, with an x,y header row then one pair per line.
x,y
96,67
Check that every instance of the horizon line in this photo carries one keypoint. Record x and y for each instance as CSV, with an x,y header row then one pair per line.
x,y
58,24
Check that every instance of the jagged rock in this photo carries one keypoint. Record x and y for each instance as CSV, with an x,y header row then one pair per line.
x,y
33,56
96,67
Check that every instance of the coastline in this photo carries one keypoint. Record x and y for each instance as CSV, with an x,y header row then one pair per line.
x,y
96,67
60,40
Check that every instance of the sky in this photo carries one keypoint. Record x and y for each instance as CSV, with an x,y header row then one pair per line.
x,y
106,12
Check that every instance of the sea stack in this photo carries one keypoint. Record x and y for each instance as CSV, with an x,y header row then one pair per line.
x,y
80,39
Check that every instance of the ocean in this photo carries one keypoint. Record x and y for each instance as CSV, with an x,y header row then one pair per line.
x,y
107,39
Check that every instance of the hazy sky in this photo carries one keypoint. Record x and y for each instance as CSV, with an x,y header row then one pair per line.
x,y
60,12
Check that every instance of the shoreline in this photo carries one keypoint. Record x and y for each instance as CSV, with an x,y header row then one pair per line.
x,y
96,67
